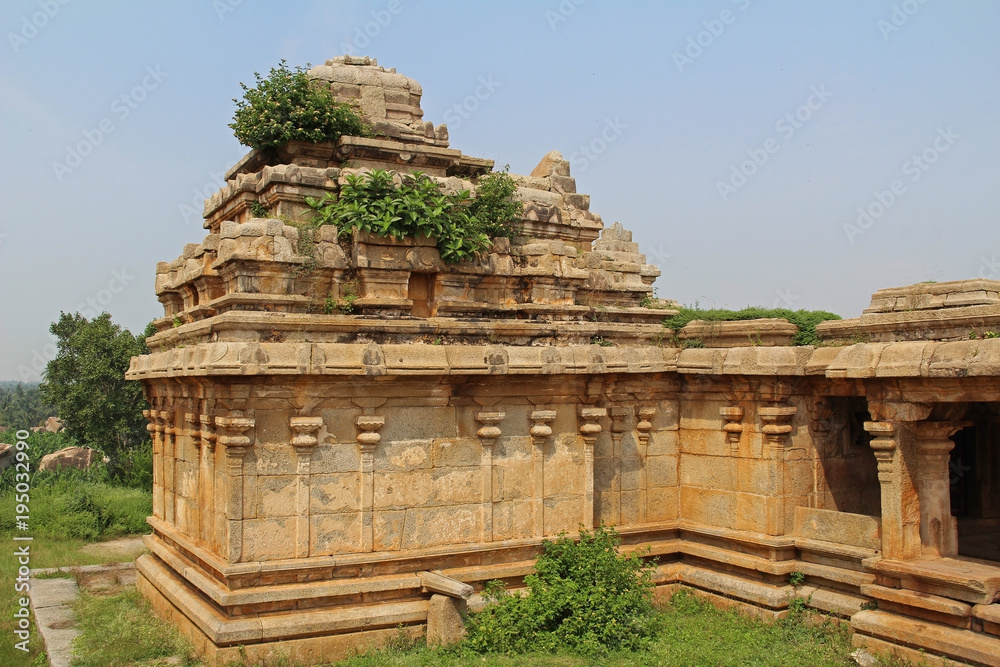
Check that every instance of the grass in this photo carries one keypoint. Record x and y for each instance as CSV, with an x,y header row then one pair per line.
x,y
805,320
45,552
121,629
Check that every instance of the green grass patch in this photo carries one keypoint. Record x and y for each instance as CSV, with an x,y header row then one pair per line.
x,y
805,320
121,629
691,632
67,508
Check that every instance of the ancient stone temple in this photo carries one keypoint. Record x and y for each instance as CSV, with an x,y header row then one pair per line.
x,y
352,437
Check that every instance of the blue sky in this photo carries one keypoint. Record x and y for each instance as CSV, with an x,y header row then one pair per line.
x,y
739,141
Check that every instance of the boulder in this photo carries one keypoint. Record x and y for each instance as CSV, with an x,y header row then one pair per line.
x,y
6,456
70,457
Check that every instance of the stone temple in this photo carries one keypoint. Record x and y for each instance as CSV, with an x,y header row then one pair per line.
x,y
350,439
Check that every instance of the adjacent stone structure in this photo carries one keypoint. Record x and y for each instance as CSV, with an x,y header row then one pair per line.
x,y
348,436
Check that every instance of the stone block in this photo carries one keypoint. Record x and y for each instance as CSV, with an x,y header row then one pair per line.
x,y
661,471
708,506
751,513
457,486
403,455
433,526
269,538
335,492
455,452
706,471
276,495
271,427
662,443
563,514
334,533
445,620
756,476
403,489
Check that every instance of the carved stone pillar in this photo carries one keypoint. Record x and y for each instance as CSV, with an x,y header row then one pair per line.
x,y
900,503
776,429
236,444
194,433
541,433
643,430
169,465
368,439
733,416
938,528
155,429
488,434
207,491
304,442
619,418
589,429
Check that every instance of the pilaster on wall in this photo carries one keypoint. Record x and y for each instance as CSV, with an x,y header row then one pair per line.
x,y
155,429
776,427
207,489
589,429
236,445
643,430
488,434
368,439
304,442
541,434
193,432
169,464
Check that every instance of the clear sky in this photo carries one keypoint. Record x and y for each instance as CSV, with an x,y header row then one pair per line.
x,y
741,141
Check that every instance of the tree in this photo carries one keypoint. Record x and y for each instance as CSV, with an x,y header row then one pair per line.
x,y
86,382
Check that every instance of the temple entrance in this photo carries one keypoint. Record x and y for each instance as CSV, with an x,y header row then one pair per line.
x,y
847,479
974,477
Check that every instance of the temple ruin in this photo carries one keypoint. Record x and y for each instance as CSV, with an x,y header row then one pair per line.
x,y
352,438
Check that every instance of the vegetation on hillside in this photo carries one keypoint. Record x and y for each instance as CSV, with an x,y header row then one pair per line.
x,y
287,106
805,320
22,406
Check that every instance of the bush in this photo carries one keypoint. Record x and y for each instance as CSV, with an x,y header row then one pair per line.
x,y
495,207
286,106
417,207
584,596
805,320
67,507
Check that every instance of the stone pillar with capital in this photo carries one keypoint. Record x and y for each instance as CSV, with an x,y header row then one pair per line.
x,y
776,427
155,429
589,429
900,502
207,488
304,442
488,434
541,433
643,429
368,439
938,528
236,443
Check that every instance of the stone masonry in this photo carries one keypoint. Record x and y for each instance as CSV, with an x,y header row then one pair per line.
x,y
352,438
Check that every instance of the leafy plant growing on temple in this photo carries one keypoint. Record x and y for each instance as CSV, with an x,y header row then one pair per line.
x,y
287,106
417,206
805,320
584,596
495,207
